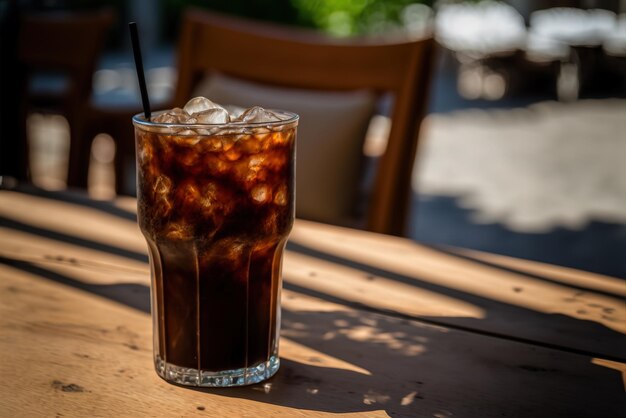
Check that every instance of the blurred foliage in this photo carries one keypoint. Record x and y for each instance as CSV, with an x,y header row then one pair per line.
x,y
336,17
278,11
354,17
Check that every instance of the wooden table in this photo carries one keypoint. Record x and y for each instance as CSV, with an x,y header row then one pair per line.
x,y
373,326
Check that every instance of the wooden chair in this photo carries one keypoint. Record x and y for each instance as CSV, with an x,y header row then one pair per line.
x,y
292,58
66,44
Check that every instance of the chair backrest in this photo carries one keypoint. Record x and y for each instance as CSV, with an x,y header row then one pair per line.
x,y
299,59
64,42
63,46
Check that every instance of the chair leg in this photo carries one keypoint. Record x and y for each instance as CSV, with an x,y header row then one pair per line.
x,y
80,153
120,172
124,158
16,161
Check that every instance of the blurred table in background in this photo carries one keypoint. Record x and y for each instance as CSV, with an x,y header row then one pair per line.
x,y
372,325
567,51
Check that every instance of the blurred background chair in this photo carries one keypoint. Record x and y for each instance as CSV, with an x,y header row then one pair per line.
x,y
62,48
505,163
334,84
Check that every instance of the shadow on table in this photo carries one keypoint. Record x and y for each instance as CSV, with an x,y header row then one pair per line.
x,y
502,318
79,197
71,239
409,369
359,360
136,296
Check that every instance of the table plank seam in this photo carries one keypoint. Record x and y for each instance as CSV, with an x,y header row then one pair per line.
x,y
429,321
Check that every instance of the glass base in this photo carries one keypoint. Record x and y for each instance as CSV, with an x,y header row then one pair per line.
x,y
227,378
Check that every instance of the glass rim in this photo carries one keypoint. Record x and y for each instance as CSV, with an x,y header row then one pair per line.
x,y
292,118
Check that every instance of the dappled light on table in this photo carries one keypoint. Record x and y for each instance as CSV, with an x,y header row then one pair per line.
x,y
422,266
568,276
57,217
372,325
350,283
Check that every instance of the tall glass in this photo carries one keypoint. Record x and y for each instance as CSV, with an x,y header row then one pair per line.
x,y
216,205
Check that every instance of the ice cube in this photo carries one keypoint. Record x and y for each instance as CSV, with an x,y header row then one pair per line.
x,y
200,104
145,151
188,157
210,194
167,117
162,186
185,138
261,193
261,134
178,231
280,197
250,144
254,170
235,111
234,251
282,137
161,189
216,203
256,162
188,195
213,116
232,154
215,165
187,132
213,144
257,114
174,116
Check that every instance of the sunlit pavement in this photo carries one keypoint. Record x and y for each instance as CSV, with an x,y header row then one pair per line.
x,y
525,176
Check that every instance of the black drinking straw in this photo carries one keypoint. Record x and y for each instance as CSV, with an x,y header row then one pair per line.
x,y
139,65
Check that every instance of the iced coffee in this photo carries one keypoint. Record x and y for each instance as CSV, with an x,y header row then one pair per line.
x,y
216,203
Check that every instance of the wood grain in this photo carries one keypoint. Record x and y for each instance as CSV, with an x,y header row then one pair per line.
x,y
468,289
498,295
70,353
75,337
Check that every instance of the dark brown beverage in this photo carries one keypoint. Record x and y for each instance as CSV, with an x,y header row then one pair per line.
x,y
216,209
